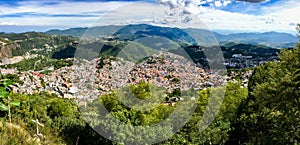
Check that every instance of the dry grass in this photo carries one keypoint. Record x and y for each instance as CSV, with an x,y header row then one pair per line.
x,y
20,136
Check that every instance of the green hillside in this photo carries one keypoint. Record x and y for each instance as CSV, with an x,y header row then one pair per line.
x,y
38,43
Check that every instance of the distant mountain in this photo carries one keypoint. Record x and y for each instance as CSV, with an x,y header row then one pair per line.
x,y
98,31
76,32
271,39
133,32
190,36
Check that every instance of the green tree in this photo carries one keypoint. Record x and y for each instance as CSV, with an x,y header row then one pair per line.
x,y
219,131
135,120
271,113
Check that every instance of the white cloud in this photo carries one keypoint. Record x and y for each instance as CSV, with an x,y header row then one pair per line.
x,y
218,3
38,13
134,13
8,23
226,2
272,18
285,12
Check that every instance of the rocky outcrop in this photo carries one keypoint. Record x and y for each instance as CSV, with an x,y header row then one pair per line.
x,y
6,49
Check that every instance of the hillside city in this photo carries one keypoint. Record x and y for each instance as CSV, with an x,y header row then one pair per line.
x,y
86,80
53,86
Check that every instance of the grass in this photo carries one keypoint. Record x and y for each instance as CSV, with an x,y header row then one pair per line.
x,y
23,135
18,135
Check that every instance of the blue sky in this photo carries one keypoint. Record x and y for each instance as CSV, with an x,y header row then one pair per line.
x,y
270,15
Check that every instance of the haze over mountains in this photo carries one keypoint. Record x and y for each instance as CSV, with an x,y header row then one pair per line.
x,y
190,35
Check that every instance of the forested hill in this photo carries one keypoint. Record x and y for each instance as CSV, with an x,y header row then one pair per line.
x,y
14,44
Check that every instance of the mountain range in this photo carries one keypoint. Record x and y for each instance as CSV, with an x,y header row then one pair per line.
x,y
189,35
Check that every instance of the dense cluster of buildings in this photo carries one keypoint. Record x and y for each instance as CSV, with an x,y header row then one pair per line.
x,y
242,61
85,80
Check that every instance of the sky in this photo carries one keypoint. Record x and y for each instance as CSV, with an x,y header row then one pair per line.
x,y
222,15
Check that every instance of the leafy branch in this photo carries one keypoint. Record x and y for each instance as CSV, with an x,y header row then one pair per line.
x,y
5,100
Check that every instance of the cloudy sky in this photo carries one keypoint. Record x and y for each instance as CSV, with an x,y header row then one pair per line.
x,y
41,15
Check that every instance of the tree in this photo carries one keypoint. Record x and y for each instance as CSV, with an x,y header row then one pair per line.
x,y
218,132
134,119
271,115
